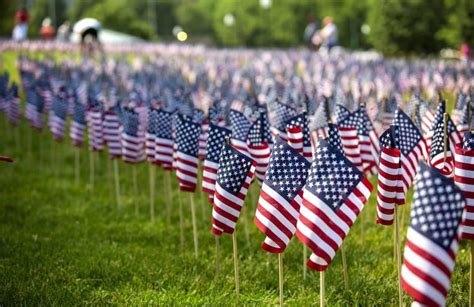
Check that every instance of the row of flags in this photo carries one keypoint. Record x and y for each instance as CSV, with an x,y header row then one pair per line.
x,y
313,167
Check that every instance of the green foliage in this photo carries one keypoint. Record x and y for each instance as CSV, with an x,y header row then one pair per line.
x,y
407,26
7,13
459,25
54,9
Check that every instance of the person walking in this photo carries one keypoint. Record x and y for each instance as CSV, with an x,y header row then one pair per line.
x,y
20,31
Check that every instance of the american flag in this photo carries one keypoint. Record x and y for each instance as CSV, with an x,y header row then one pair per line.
x,y
454,136
333,196
280,197
95,128
164,139
466,120
432,238
34,109
279,115
389,176
464,178
187,149
14,108
334,139
215,142
350,144
368,139
445,164
133,143
240,126
234,176
150,135
412,150
319,122
460,107
112,135
301,121
341,113
258,146
389,106
200,118
57,117
78,124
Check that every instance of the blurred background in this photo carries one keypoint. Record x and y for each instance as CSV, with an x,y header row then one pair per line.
x,y
393,27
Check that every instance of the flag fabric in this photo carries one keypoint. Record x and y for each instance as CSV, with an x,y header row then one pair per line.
x,y
78,124
203,139
95,128
133,147
333,196
341,113
301,121
280,197
164,139
432,237
150,135
112,133
279,114
454,136
215,142
319,122
350,143
187,149
240,126
464,178
14,106
439,159
334,139
57,117
389,176
234,176
412,150
258,146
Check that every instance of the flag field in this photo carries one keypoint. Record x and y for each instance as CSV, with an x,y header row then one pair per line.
x,y
64,243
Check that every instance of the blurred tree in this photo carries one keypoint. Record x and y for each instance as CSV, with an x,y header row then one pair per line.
x,y
459,26
405,27
7,14
195,17
40,9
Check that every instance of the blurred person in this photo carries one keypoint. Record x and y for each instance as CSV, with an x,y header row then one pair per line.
x,y
47,31
310,30
464,52
20,31
64,31
328,33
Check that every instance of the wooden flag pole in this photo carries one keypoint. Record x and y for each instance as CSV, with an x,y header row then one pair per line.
x,y
321,288
305,254
218,256
344,267
117,183
181,222
76,165
91,169
471,279
30,142
236,265
135,187
399,260
195,234
152,192
168,196
280,276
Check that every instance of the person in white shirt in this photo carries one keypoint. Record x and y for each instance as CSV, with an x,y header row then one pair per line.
x,y
328,33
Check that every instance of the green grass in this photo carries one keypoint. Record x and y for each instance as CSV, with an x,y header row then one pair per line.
x,y
62,243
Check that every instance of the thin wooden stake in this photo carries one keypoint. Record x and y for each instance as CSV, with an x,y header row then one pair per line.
x,y
91,170
218,257
152,192
181,222
135,188
344,267
168,196
362,230
280,276
117,184
236,266
471,279
195,234
322,291
399,261
305,255
76,165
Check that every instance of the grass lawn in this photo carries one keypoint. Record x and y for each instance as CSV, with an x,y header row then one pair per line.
x,y
68,243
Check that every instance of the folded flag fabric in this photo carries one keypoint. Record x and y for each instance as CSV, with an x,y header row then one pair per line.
x,y
112,132
432,237
240,126
280,196
57,116
164,139
78,124
300,121
333,196
350,144
215,142
95,128
187,149
279,115
389,169
133,141
258,146
464,178
234,176
441,156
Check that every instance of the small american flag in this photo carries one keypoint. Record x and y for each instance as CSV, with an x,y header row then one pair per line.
x,y
215,142
412,150
333,196
319,122
432,238
112,136
133,143
437,154
350,143
389,176
258,146
240,126
78,124
187,149
301,121
95,128
334,139
280,197
164,139
464,178
465,120
279,115
57,116
14,107
234,176
150,135
341,113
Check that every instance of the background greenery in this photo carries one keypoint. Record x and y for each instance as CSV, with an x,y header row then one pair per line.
x,y
397,26
64,243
